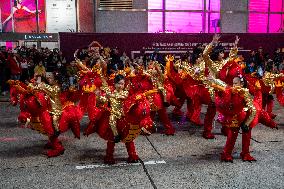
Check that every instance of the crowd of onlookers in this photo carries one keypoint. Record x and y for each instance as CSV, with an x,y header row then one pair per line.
x,y
25,63
22,63
259,61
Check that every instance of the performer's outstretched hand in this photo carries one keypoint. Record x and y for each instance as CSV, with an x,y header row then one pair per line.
x,y
236,41
216,38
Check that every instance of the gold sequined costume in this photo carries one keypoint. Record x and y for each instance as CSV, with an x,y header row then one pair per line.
x,y
115,98
56,108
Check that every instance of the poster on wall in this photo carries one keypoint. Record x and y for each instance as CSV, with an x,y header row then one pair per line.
x,y
20,16
61,16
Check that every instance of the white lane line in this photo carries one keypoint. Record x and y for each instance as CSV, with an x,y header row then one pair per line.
x,y
153,162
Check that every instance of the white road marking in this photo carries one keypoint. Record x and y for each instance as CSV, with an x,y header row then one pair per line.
x,y
153,162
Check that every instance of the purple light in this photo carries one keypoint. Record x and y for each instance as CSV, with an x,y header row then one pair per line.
x,y
213,16
155,22
274,23
257,23
184,22
276,6
258,5
184,5
155,4
214,5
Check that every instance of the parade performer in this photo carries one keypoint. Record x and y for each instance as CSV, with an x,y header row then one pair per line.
x,y
53,91
214,58
240,110
199,92
175,81
158,79
141,81
279,92
115,98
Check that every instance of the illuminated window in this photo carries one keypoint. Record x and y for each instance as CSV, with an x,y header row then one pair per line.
x,y
184,22
265,16
183,16
184,5
155,22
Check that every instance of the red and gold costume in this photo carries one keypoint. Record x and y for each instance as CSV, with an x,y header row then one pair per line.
x,y
142,82
197,89
36,106
240,109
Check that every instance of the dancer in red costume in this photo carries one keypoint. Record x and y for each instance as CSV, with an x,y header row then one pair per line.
x,y
122,119
50,112
142,82
279,92
240,111
199,92
175,80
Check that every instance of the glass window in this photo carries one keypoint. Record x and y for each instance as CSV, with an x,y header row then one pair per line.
x,y
155,22
155,4
214,20
184,4
184,22
276,6
257,23
213,5
274,23
258,5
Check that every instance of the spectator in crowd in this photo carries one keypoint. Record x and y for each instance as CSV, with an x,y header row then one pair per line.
x,y
40,70
52,60
72,71
278,58
14,66
25,76
4,72
124,58
260,58
281,67
250,68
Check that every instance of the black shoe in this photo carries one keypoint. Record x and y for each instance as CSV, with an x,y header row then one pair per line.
x,y
116,139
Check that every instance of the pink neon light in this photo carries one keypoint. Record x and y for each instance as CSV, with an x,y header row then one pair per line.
x,y
257,23
155,4
184,5
213,17
184,22
258,5
276,6
155,22
274,23
213,6
9,45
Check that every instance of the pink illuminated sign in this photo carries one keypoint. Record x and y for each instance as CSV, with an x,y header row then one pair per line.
x,y
258,18
182,22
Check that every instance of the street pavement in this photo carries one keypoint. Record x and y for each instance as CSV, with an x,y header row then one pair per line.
x,y
185,160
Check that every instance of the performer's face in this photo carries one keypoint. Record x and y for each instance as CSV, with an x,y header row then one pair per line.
x,y
73,63
221,55
120,85
237,82
200,59
51,80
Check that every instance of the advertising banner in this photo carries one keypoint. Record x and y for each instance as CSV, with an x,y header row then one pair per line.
x,y
61,16
20,16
